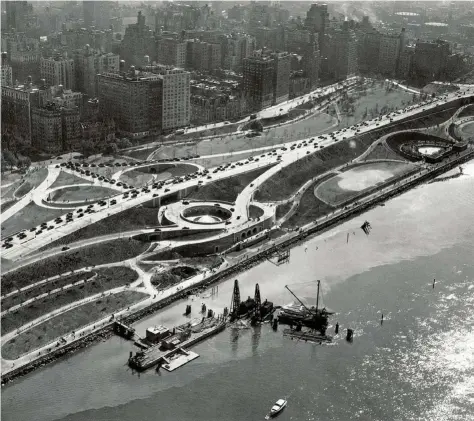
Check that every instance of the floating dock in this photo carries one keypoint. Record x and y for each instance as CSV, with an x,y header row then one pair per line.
x,y
172,351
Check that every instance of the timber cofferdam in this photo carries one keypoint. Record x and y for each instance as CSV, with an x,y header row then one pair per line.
x,y
106,331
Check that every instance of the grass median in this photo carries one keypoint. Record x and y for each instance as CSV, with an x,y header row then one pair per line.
x,y
66,179
69,321
104,279
227,189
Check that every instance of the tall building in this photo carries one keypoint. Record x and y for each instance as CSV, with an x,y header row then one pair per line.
x,y
17,104
343,53
369,50
175,83
6,72
430,59
311,63
266,79
137,43
317,20
58,70
55,128
203,56
391,45
171,52
405,63
89,63
281,77
258,82
239,46
143,102
23,55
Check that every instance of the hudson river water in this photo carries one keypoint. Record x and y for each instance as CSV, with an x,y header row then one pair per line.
x,y
418,365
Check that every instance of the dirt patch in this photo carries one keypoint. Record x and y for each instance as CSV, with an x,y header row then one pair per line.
x,y
227,189
105,279
91,255
58,326
173,276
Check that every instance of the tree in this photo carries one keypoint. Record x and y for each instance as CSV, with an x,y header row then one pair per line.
x,y
24,162
111,149
124,143
10,158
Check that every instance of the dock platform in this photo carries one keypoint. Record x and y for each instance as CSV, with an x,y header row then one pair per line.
x,y
179,359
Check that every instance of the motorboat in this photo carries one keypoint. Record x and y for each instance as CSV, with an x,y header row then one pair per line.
x,y
277,408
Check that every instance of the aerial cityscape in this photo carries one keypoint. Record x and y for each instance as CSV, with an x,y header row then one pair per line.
x,y
221,210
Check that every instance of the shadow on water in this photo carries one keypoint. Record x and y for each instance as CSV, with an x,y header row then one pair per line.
x,y
257,333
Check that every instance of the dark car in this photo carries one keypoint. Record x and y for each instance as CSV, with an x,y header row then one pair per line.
x,y
65,248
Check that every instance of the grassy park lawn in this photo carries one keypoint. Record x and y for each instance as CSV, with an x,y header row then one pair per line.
x,y
353,182
95,254
66,179
27,294
30,216
81,193
136,178
382,151
376,100
255,212
310,208
62,324
4,206
227,189
468,111
32,180
106,279
313,125
283,209
131,219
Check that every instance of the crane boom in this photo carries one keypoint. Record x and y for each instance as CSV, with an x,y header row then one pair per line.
x,y
303,304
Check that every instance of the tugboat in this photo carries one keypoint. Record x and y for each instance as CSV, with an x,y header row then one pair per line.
x,y
276,409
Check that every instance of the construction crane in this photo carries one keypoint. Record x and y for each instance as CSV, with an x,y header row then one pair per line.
x,y
319,317
235,305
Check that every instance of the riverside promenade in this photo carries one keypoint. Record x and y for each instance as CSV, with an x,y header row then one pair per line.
x,y
102,329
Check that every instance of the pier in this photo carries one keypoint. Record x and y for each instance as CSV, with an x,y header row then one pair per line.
x,y
171,352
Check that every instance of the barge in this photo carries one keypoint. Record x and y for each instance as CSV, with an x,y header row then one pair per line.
x,y
170,346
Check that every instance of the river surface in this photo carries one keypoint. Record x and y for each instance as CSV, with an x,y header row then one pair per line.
x,y
417,365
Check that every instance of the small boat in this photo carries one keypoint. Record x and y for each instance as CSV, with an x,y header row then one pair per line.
x,y
276,409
